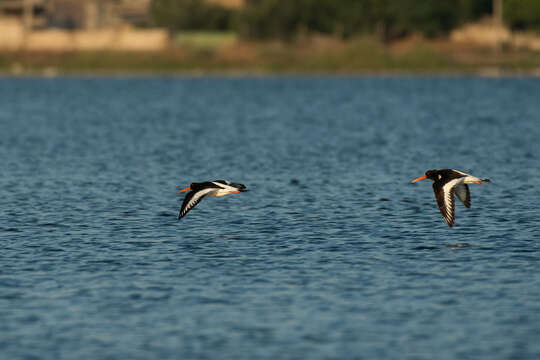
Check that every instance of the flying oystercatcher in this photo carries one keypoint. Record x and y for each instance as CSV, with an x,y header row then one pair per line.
x,y
209,188
448,182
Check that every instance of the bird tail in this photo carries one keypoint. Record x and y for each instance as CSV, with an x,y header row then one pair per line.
x,y
485,180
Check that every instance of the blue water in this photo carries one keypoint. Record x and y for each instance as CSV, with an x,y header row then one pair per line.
x,y
333,254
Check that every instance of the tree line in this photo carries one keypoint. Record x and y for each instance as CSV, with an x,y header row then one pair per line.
x,y
389,19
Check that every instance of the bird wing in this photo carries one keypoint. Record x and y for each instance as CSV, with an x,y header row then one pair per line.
x,y
222,185
462,192
460,172
192,198
225,182
444,193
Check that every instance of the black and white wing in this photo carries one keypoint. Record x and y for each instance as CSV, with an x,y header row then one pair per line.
x,y
460,172
462,192
192,198
221,182
444,193
227,187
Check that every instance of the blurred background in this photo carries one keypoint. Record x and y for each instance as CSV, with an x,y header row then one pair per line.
x,y
312,36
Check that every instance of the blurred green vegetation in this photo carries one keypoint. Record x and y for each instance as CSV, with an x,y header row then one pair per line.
x,y
205,39
307,36
190,15
387,19
364,54
522,14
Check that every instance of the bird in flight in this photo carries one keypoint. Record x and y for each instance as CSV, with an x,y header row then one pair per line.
x,y
209,188
448,182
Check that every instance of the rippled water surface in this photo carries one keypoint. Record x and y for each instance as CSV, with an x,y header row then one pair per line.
x,y
333,254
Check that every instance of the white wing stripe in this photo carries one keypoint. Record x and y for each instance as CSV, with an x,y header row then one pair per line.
x,y
196,198
460,172
447,191
225,186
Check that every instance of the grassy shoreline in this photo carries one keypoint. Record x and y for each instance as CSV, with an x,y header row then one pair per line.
x,y
362,56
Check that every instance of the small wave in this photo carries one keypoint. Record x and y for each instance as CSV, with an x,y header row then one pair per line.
x,y
425,247
457,245
52,224
165,213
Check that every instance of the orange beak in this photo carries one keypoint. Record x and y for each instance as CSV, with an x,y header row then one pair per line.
x,y
186,189
420,178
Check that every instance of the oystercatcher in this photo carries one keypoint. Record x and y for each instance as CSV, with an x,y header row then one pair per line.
x,y
448,182
209,188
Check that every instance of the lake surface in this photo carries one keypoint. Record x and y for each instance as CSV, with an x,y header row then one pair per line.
x,y
332,254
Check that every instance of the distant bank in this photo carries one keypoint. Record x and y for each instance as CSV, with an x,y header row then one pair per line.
x,y
223,54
